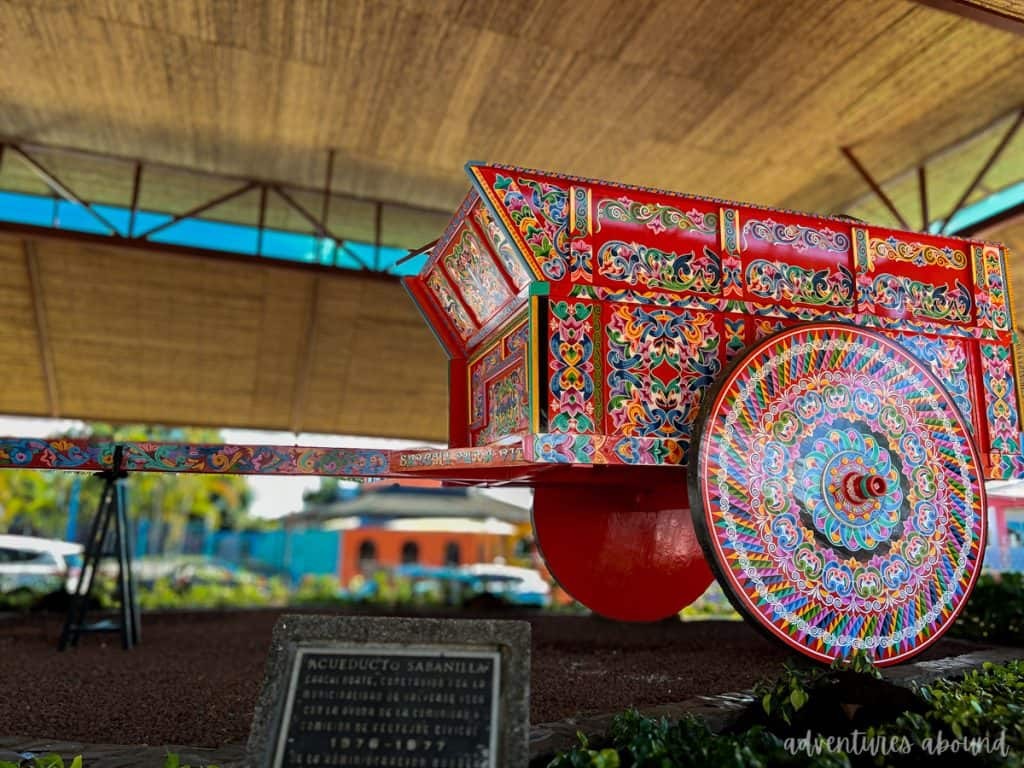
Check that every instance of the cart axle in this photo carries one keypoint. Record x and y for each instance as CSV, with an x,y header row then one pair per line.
x,y
859,487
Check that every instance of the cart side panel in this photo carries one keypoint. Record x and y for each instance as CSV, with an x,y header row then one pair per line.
x,y
991,287
644,242
498,378
533,211
793,261
954,363
913,280
573,366
660,363
1000,398
631,369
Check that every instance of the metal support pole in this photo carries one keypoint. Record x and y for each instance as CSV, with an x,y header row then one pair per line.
x,y
62,189
377,220
262,220
984,169
875,187
197,210
136,185
111,511
922,188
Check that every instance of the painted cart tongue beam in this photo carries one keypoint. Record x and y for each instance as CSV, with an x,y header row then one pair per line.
x,y
355,463
87,455
521,459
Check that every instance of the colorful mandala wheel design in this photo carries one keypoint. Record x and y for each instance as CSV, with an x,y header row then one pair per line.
x,y
628,553
837,494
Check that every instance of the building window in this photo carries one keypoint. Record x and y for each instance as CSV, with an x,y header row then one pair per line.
x,y
410,553
367,555
452,553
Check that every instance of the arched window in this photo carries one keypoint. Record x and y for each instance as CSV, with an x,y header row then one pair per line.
x,y
367,555
452,553
410,553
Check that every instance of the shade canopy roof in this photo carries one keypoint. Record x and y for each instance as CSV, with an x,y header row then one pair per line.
x,y
740,100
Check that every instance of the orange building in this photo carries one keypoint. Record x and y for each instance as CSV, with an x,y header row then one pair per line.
x,y
421,522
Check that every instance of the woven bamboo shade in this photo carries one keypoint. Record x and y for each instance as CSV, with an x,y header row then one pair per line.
x,y
134,336
749,101
743,100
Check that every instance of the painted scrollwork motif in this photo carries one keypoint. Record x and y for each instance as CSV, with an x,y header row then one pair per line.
x,y
539,211
799,237
640,265
918,254
935,302
656,217
820,287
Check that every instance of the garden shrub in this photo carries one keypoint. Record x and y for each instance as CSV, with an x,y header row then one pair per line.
x,y
984,710
995,611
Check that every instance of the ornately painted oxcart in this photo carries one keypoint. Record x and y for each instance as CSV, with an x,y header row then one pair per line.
x,y
805,407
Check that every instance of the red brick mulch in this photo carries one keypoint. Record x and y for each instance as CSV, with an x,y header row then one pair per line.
x,y
195,677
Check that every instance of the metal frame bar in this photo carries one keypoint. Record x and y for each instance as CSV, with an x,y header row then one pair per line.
x,y
875,187
980,13
321,228
62,189
946,151
922,188
378,215
283,190
262,220
1007,138
193,212
136,189
325,209
980,229
108,157
90,238
42,329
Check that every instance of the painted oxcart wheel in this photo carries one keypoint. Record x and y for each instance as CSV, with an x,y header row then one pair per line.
x,y
837,494
628,553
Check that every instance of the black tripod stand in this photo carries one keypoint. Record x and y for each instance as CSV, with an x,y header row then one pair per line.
x,y
111,510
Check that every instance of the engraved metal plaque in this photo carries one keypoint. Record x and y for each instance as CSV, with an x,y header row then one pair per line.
x,y
380,706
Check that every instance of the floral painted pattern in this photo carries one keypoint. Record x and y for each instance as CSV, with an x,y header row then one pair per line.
x,y
476,276
572,371
450,305
637,264
829,461
660,363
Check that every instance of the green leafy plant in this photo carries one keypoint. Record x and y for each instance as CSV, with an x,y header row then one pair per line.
x,y
44,761
643,742
987,703
995,612
319,590
787,694
56,761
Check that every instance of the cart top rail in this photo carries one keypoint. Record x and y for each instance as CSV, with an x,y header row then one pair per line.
x,y
522,231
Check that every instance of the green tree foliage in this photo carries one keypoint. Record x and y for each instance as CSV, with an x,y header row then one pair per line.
x,y
33,501
328,491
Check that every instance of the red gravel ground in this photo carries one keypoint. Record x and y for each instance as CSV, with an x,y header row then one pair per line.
x,y
195,677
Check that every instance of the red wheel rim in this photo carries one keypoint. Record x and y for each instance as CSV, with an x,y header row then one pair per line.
x,y
804,541
627,553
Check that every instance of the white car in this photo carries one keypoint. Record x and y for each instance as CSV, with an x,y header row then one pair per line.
x,y
38,566
519,586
